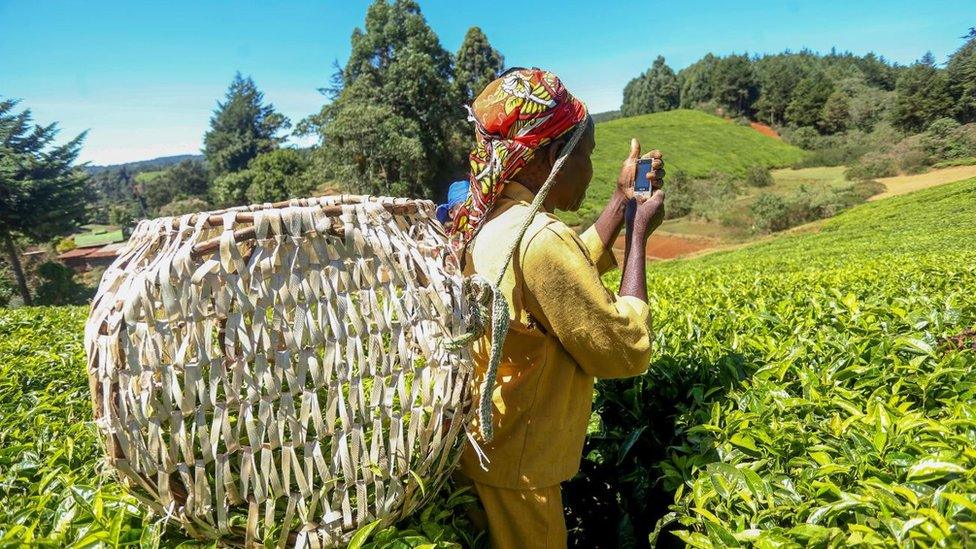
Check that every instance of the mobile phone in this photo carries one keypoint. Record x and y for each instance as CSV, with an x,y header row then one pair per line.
x,y
642,185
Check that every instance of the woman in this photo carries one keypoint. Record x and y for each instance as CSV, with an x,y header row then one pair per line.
x,y
566,328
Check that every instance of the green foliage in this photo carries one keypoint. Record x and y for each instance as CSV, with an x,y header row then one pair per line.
x,y
961,76
42,193
58,286
241,128
775,212
65,244
808,99
921,96
758,176
946,139
51,491
396,126
476,65
770,212
188,179
836,112
696,82
184,206
734,85
271,177
115,198
691,141
778,77
798,394
654,91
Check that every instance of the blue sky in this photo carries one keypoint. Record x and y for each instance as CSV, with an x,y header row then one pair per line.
x,y
143,77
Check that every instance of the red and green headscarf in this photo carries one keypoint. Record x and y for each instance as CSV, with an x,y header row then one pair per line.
x,y
514,116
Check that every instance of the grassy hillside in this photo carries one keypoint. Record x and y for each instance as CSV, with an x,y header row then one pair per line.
x,y
692,141
803,393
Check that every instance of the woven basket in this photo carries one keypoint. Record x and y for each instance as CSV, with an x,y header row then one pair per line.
x,y
284,373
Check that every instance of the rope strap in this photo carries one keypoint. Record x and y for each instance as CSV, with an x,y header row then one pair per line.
x,y
499,305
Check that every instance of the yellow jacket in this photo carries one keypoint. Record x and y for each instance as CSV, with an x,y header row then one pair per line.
x,y
566,330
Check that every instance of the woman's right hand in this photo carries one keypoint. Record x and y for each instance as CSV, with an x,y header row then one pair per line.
x,y
650,213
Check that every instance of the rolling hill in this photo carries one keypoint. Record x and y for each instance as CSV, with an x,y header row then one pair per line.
x,y
145,165
692,141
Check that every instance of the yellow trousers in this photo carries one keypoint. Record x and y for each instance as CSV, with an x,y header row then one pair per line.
x,y
519,519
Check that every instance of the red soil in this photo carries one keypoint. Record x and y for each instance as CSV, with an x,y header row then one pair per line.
x,y
764,129
667,246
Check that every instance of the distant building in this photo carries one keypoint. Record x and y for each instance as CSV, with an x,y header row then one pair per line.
x,y
96,246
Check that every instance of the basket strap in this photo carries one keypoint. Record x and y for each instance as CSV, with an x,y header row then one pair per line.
x,y
499,305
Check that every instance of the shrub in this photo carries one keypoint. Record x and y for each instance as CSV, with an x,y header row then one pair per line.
x,y
184,206
713,195
58,286
806,137
946,139
66,244
759,176
770,212
679,194
964,161
872,165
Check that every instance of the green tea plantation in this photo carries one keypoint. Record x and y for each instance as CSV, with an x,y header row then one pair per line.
x,y
814,389
805,391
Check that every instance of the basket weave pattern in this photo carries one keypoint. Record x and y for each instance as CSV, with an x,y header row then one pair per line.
x,y
281,373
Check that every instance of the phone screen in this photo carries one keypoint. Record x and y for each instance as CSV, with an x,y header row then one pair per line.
x,y
641,182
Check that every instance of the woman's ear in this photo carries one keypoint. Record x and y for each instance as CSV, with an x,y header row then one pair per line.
x,y
553,153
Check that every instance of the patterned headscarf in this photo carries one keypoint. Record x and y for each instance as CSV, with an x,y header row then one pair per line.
x,y
514,116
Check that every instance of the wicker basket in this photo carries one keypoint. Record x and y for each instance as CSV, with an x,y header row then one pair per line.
x,y
283,373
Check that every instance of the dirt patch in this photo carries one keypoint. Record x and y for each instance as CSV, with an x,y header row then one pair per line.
x,y
764,129
667,246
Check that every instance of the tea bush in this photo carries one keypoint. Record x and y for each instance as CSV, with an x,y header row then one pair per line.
x,y
799,394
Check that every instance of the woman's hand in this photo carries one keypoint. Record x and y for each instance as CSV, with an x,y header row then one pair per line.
x,y
625,182
650,213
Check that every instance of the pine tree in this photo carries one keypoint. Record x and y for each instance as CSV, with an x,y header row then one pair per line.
x,y
961,74
188,179
476,65
654,91
836,113
778,77
696,82
241,128
42,194
808,100
396,126
734,84
921,96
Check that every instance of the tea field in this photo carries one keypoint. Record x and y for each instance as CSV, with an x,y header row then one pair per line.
x,y
803,392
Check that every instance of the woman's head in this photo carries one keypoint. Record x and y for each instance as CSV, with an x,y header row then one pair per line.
x,y
569,188
517,117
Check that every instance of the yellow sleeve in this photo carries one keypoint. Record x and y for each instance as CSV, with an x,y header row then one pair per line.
x,y
600,256
609,336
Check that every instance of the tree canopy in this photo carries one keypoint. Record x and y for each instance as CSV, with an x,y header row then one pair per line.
x,y
241,128
654,91
477,64
42,193
396,124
